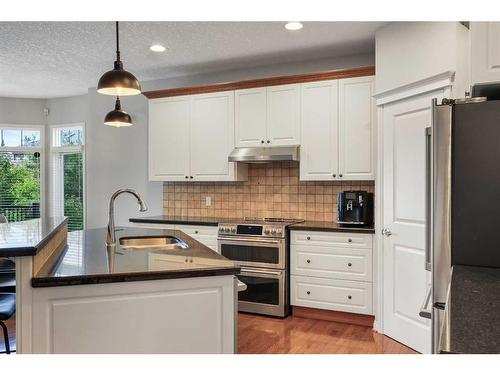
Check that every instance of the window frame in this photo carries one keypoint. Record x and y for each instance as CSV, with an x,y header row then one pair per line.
x,y
53,150
40,149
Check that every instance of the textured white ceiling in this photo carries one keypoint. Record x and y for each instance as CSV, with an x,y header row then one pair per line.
x,y
55,59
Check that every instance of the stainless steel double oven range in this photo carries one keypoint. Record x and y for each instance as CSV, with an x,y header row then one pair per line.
x,y
261,247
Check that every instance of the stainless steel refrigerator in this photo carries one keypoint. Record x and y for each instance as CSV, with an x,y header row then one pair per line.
x,y
463,196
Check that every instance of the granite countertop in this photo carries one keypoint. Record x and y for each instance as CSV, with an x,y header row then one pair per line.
x,y
472,314
87,260
25,238
329,226
326,226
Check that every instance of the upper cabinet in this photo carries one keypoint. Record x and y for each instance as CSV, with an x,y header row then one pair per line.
x,y
485,52
168,134
268,116
337,132
356,128
190,138
319,136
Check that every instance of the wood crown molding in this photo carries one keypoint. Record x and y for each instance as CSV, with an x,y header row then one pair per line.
x,y
262,82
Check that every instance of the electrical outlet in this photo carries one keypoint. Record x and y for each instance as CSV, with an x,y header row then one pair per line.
x,y
208,201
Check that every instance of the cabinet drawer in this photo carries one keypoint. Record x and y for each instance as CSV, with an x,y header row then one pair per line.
x,y
353,240
331,262
329,294
207,235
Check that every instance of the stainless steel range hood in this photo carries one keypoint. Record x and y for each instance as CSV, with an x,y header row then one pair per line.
x,y
264,154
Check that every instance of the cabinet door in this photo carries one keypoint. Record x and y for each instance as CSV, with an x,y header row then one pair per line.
x,y
319,127
485,51
283,115
356,128
212,136
168,128
250,117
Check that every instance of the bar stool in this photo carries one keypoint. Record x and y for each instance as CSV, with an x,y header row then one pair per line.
x,y
7,309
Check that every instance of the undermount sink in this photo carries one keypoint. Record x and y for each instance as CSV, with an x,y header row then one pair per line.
x,y
157,242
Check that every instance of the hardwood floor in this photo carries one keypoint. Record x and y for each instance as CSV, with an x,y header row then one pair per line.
x,y
11,328
294,335
264,335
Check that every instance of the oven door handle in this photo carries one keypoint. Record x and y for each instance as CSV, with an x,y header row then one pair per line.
x,y
250,239
262,272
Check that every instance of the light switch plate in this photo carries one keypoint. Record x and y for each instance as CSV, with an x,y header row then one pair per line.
x,y
208,201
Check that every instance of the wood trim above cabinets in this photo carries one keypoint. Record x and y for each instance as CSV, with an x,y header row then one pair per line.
x,y
262,82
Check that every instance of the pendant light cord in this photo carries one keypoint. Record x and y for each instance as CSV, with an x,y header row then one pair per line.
x,y
117,43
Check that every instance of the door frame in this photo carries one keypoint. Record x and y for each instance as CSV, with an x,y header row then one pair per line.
x,y
441,82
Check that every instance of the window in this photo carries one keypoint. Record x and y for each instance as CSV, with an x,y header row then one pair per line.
x,y
67,166
20,172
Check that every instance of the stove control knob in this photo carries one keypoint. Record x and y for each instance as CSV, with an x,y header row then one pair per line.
x,y
233,230
267,231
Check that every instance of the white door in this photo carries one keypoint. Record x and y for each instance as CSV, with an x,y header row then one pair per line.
x,y
356,124
485,51
283,115
212,136
250,117
405,278
168,129
319,128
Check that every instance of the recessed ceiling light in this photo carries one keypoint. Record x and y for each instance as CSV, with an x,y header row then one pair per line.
x,y
157,48
292,26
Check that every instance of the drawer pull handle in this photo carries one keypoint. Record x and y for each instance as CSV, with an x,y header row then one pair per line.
x,y
349,240
350,297
308,238
308,292
308,261
349,264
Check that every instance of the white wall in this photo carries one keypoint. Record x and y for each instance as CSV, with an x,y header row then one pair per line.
x,y
68,110
408,52
22,111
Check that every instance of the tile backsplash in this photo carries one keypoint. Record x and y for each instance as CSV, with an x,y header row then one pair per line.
x,y
272,189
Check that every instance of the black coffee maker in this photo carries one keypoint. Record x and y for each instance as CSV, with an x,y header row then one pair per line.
x,y
355,208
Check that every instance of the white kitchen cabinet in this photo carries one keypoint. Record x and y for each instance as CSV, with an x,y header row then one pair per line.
x,y
332,270
283,115
191,137
337,130
267,116
251,117
169,138
205,234
319,131
485,52
356,120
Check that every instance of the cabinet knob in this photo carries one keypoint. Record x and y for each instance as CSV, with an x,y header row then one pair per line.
x,y
308,292
268,141
334,175
185,176
350,297
262,141
349,240
349,264
308,261
308,238
191,177
195,232
340,175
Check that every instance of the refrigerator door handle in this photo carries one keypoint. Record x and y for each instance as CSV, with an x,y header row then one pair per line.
x,y
425,311
428,192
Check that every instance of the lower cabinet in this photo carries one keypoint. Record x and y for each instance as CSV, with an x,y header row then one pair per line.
x,y
332,271
332,294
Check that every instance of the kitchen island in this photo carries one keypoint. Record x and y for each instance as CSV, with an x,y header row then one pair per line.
x,y
134,297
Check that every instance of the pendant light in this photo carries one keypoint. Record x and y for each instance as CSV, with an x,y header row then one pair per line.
x,y
118,117
118,82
